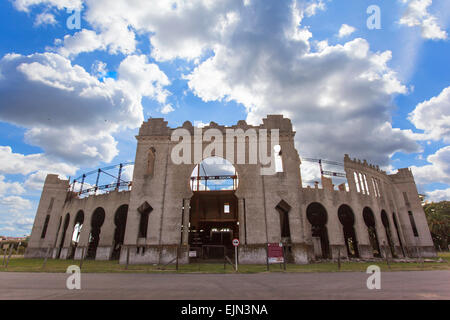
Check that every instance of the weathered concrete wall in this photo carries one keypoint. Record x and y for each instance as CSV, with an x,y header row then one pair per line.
x,y
110,202
52,200
407,200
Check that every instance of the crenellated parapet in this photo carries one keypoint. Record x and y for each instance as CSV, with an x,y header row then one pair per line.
x,y
54,182
154,127
357,164
403,175
159,127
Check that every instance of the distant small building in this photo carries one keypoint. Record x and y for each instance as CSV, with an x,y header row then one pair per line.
x,y
17,239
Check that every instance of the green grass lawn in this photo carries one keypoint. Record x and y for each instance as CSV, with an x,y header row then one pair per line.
x,y
90,266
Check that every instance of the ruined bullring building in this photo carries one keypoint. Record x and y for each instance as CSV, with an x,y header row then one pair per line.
x,y
171,209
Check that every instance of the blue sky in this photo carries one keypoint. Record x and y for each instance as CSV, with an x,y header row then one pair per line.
x,y
72,100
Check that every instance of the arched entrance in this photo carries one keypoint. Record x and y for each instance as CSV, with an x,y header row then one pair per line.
x,y
77,225
347,219
213,218
120,221
98,217
317,217
387,229
369,219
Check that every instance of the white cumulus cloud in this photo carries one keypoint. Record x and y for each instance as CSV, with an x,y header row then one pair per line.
x,y
44,18
438,195
68,112
339,98
8,187
433,116
437,171
15,203
417,15
346,30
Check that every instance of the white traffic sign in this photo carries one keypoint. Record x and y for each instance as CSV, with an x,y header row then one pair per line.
x,y
235,242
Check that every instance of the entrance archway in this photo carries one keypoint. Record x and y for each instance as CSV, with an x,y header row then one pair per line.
x,y
213,217
317,217
347,219
77,225
98,217
387,229
369,220
120,221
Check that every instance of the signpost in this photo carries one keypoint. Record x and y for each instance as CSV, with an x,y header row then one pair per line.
x,y
275,253
236,245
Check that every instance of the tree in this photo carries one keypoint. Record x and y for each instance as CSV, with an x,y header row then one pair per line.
x,y
438,218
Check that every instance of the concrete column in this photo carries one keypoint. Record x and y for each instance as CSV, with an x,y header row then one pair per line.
x,y
351,180
186,210
241,212
362,235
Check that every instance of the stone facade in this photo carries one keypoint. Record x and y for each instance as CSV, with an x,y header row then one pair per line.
x,y
379,214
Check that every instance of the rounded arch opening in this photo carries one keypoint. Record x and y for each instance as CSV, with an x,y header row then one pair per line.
x,y
120,221
77,226
213,214
369,220
214,174
98,217
384,219
347,219
317,217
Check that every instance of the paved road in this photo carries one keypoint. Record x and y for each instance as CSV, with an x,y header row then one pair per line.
x,y
287,286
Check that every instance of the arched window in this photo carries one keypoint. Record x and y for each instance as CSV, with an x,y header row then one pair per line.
x,y
363,190
44,229
358,189
366,184
283,209
278,159
144,211
413,224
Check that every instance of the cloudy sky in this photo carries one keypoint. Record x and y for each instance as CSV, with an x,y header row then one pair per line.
x,y
72,99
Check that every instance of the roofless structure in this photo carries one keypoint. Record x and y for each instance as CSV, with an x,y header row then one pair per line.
x,y
175,208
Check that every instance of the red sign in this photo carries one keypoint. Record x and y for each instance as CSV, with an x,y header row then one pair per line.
x,y
235,242
275,253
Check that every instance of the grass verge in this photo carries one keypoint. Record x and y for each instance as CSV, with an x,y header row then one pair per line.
x,y
18,264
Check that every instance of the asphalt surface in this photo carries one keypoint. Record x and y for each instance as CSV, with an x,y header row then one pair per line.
x,y
266,286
